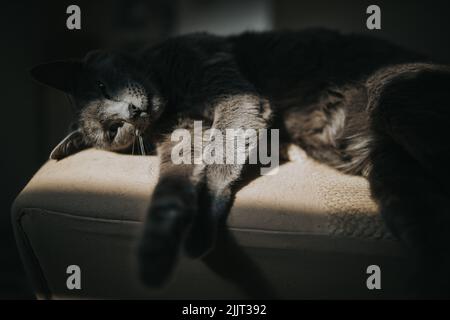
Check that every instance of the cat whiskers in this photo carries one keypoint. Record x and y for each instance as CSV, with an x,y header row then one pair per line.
x,y
134,142
138,136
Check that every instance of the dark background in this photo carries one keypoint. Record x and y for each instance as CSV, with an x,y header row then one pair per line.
x,y
34,118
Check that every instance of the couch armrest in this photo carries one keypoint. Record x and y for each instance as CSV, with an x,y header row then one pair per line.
x,y
306,221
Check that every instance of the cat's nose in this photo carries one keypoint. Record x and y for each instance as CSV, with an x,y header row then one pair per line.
x,y
134,111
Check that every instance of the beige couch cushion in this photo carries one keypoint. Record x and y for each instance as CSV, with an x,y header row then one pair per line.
x,y
90,206
304,196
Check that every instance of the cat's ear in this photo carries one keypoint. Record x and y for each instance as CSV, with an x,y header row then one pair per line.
x,y
71,144
60,75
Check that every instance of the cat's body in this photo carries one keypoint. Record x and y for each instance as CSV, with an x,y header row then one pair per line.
x,y
358,104
315,81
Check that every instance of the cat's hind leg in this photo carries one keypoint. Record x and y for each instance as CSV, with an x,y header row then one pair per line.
x,y
409,109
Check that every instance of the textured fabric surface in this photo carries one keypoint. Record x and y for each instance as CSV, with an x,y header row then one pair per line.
x,y
310,230
303,196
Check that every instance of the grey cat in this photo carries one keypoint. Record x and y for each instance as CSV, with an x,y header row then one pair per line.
x,y
359,104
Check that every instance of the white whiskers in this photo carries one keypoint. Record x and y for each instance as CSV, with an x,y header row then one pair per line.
x,y
141,145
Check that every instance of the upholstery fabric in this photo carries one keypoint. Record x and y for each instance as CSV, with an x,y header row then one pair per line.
x,y
311,230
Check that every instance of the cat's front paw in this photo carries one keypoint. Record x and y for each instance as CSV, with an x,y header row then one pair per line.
x,y
157,256
159,247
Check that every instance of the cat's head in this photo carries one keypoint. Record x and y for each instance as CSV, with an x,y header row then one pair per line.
x,y
113,96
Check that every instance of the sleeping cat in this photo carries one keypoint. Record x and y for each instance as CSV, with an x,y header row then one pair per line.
x,y
359,104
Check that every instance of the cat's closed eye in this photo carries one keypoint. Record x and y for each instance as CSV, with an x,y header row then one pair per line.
x,y
103,90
